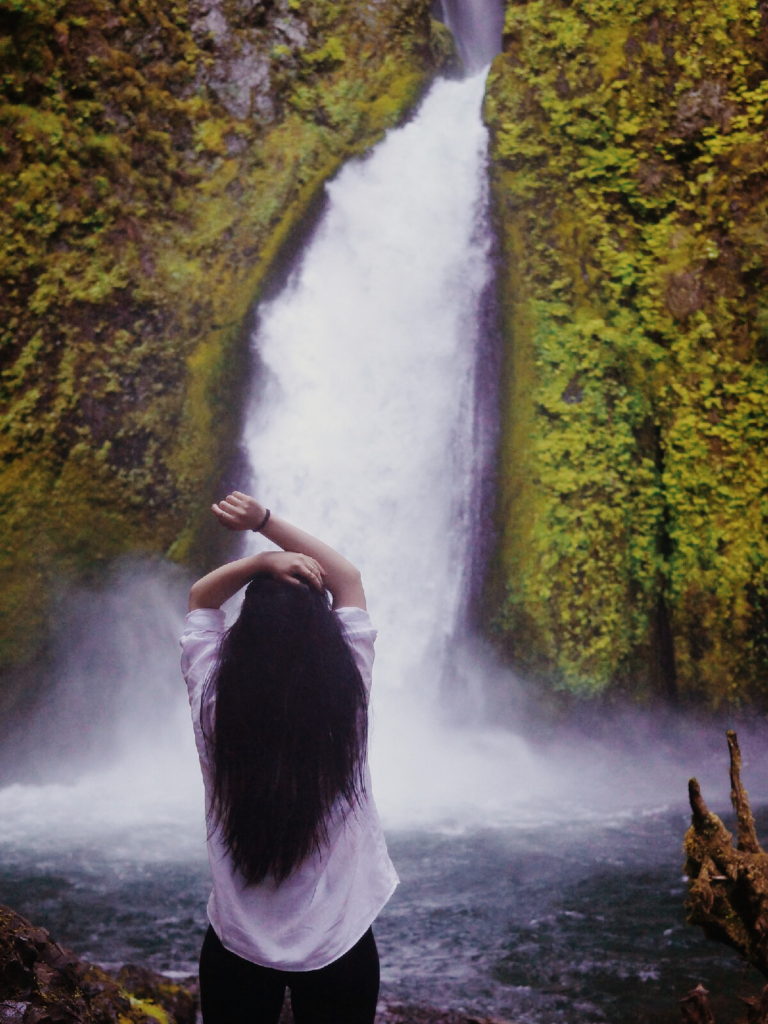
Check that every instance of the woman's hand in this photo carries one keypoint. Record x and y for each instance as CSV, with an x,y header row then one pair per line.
x,y
239,511
293,567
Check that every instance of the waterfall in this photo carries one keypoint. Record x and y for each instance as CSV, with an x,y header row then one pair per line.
x,y
476,26
363,425
366,427
363,429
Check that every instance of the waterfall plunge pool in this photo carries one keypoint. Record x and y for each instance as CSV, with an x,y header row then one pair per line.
x,y
578,922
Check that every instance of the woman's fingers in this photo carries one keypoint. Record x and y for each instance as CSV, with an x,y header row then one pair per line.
x,y
310,574
246,512
309,570
316,572
236,511
295,567
224,517
231,506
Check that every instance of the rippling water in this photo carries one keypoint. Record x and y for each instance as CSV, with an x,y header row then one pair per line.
x,y
574,923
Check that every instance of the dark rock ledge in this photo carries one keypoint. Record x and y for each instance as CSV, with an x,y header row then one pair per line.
x,y
43,983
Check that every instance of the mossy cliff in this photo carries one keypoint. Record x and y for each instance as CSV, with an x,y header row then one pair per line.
x,y
156,155
629,154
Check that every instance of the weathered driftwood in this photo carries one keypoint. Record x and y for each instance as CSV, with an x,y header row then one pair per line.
x,y
757,1008
695,1008
727,885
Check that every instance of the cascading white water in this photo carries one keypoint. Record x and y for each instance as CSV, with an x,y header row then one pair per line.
x,y
364,427
476,26
364,431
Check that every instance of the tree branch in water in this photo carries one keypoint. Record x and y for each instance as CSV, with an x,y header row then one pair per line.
x,y
727,884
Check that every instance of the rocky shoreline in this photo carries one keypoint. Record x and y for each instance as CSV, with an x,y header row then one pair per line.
x,y
41,982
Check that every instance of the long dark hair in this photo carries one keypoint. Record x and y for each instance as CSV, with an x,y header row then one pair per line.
x,y
289,729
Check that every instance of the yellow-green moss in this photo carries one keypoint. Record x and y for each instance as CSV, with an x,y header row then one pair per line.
x,y
629,146
142,207
150,1010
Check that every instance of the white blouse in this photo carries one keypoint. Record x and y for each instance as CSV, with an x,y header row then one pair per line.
x,y
328,903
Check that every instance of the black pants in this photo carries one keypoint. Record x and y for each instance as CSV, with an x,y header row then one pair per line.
x,y
236,991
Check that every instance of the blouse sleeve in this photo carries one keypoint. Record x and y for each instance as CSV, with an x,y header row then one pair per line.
x,y
203,628
200,642
361,635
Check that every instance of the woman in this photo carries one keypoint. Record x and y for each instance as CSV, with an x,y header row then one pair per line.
x,y
279,707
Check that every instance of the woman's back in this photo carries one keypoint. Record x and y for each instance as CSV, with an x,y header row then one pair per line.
x,y
287,744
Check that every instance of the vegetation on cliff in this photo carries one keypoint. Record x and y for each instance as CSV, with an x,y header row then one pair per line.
x,y
629,155
156,155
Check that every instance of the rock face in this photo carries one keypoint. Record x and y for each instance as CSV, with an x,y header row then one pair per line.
x,y
40,982
156,155
629,152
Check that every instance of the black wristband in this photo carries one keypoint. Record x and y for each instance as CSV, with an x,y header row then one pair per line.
x,y
263,523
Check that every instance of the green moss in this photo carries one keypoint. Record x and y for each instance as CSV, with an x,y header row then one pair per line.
x,y
330,54
150,1010
144,202
631,210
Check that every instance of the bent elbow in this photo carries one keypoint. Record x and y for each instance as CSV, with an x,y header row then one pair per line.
x,y
353,576
347,589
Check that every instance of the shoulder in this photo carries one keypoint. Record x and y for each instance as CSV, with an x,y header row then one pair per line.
x,y
356,622
202,630
203,622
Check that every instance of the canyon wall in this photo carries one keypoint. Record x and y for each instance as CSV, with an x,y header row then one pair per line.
x,y
157,156
630,187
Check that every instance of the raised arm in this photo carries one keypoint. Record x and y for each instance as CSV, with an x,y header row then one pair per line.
x,y
240,511
213,589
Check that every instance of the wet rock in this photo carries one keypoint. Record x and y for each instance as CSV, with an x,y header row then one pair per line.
x,y
685,294
705,106
42,983
178,1000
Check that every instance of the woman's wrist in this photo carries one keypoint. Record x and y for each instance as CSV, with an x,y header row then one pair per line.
x,y
262,520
